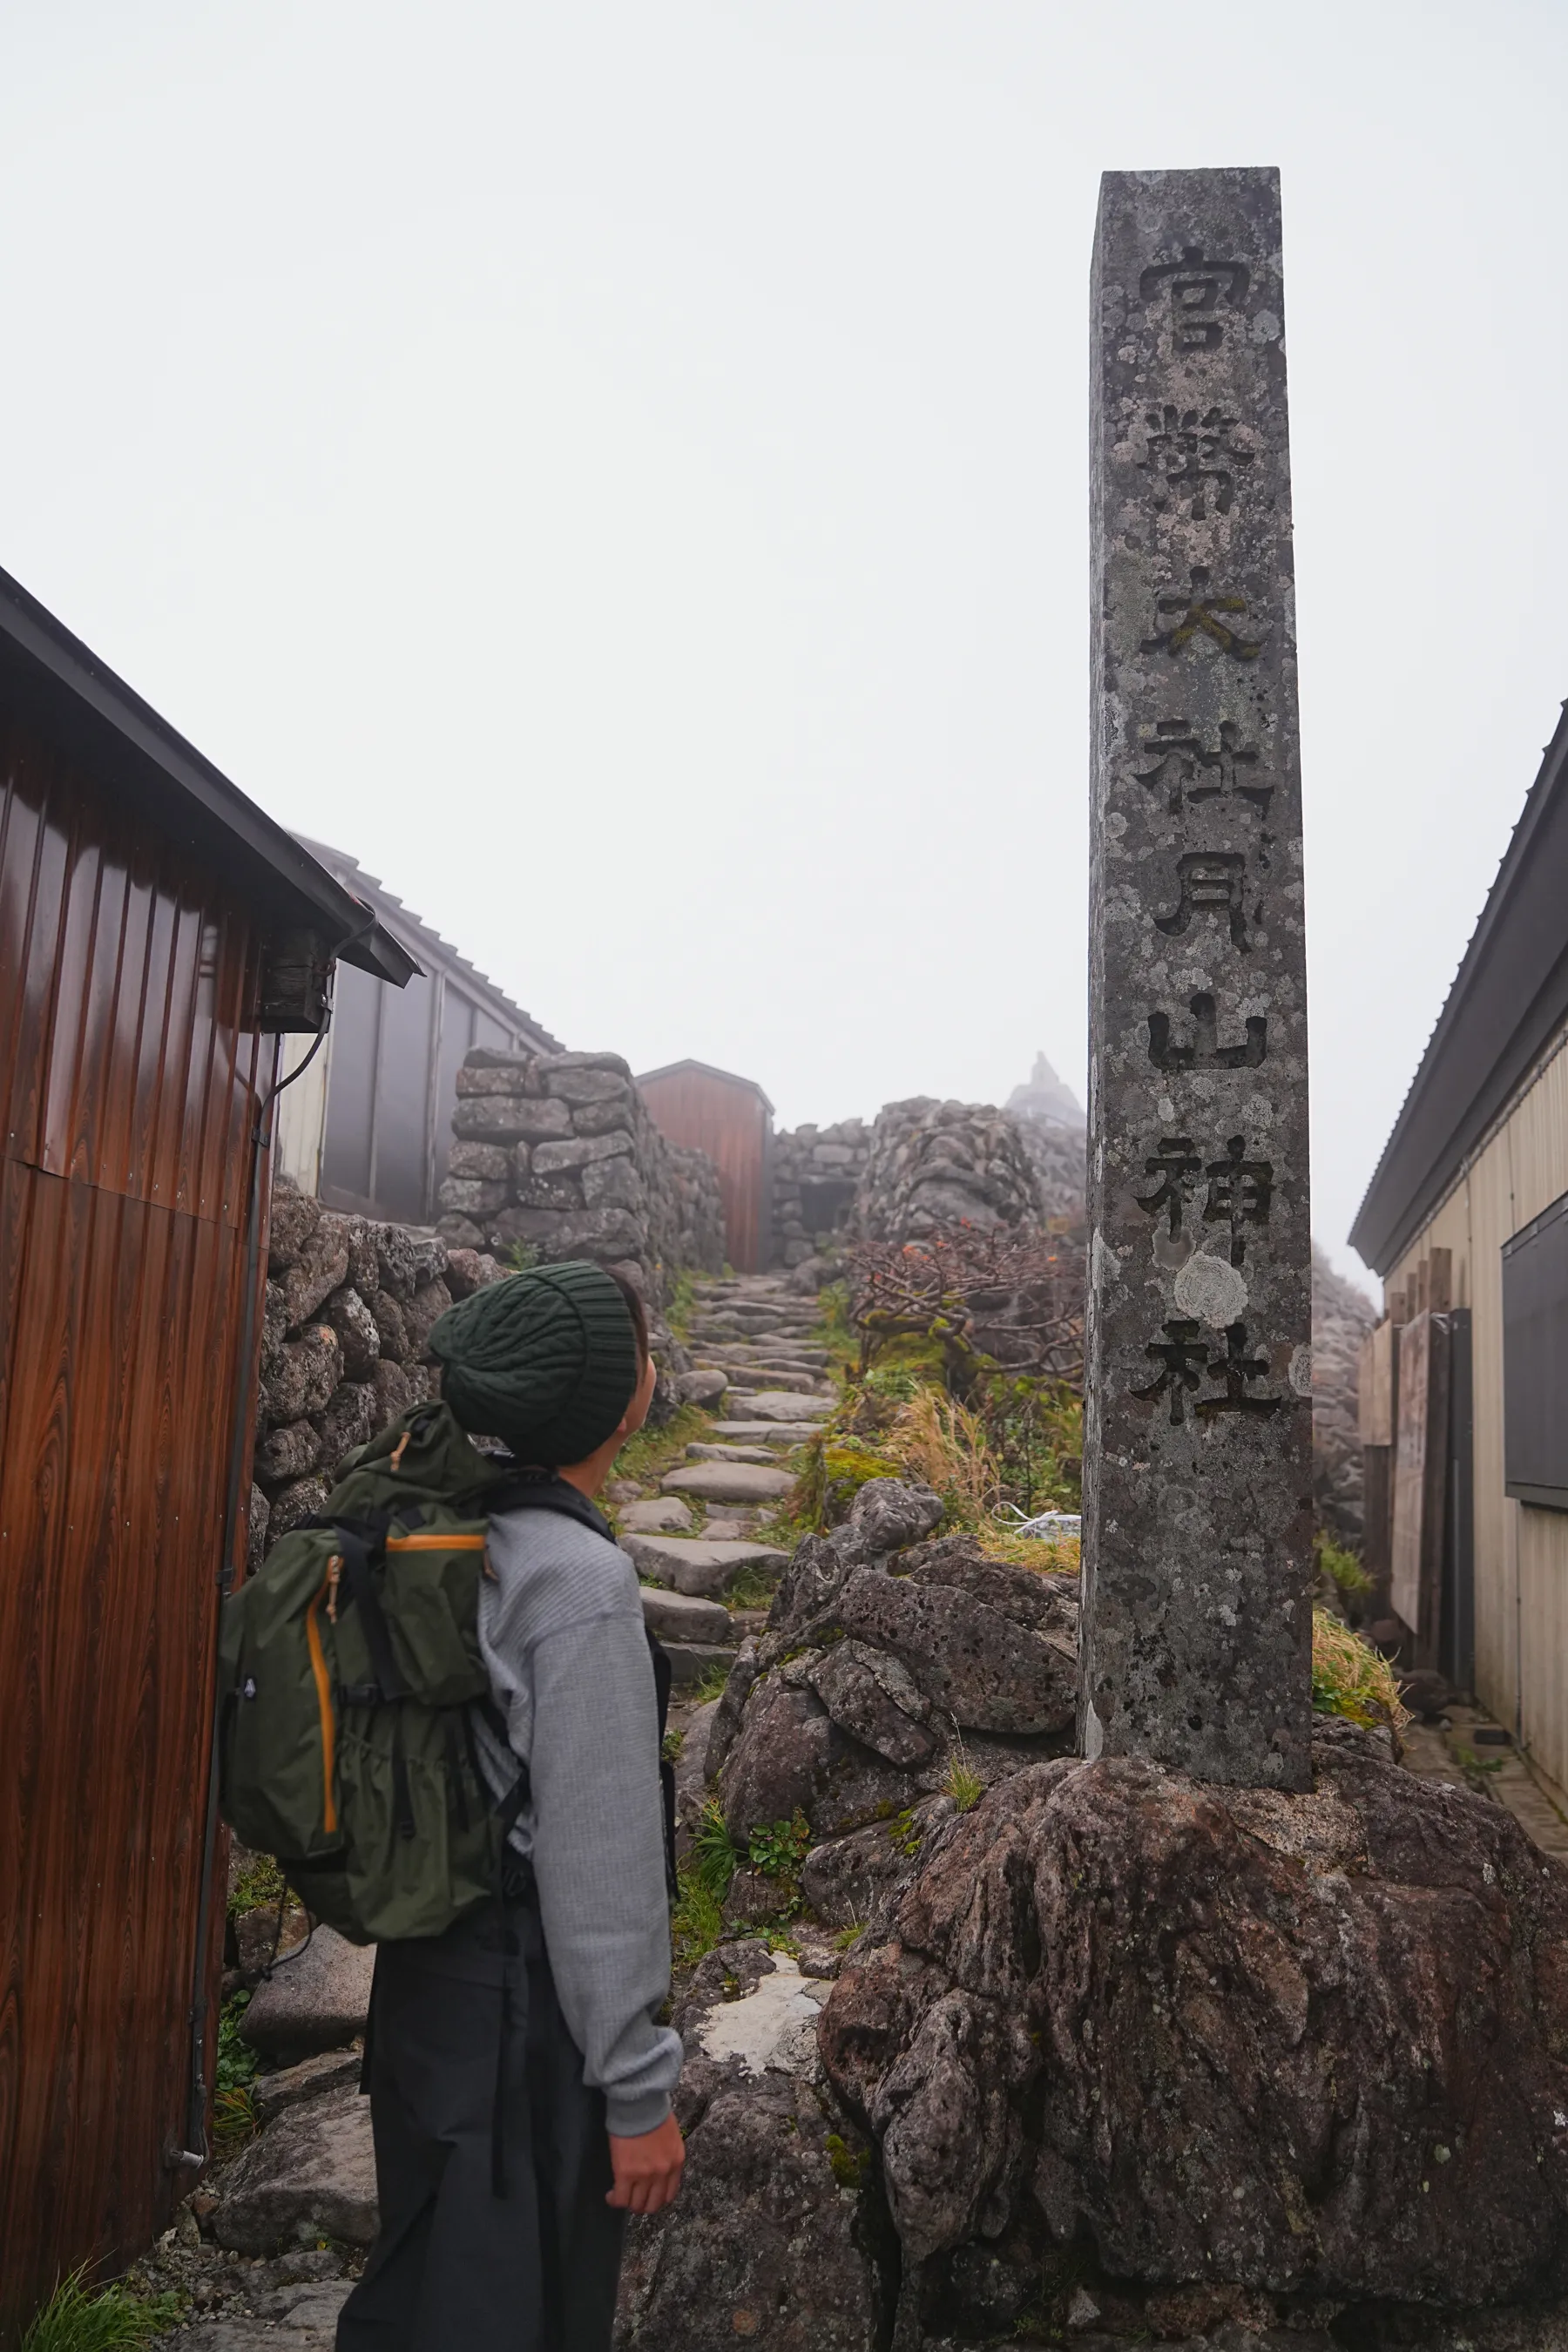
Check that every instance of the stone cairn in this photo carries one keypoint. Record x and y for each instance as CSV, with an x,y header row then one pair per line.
x,y
933,1164
559,1150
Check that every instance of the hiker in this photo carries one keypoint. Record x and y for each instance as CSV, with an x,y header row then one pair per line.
x,y
521,2098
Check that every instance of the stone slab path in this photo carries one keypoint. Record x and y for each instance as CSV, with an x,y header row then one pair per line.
x,y
1467,1749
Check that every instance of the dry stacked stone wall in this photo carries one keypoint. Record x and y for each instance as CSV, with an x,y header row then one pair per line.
x,y
816,1172
560,1151
345,1345
937,1164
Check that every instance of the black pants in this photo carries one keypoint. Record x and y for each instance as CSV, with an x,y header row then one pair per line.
x,y
456,2268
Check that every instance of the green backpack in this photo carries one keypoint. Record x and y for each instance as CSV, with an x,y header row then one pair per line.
x,y
351,1672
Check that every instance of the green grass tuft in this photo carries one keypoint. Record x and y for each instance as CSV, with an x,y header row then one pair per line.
x,y
682,1304
715,1857
1350,1678
236,2060
697,1922
258,1887
963,1783
1342,1567
76,2320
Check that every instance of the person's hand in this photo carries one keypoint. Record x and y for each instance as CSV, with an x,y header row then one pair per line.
x,y
647,2168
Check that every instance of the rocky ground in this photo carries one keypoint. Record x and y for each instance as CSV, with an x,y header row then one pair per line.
x,y
1007,2048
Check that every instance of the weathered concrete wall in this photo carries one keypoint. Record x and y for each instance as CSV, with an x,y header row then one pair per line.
x,y
560,1151
1197,1491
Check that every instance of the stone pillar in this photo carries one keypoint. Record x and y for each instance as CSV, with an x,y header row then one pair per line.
x,y
1197,1470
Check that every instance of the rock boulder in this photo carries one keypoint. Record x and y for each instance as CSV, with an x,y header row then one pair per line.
x,y
1294,2045
311,2174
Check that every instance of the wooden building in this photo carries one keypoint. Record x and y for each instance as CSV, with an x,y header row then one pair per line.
x,y
158,933
369,1126
731,1120
1465,1387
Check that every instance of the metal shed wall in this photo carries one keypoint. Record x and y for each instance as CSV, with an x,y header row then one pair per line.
x,y
726,1118
127,1099
1520,1553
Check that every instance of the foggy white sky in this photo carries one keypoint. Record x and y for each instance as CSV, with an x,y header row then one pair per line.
x,y
620,471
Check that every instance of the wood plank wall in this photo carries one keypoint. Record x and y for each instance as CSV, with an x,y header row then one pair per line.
x,y
126,1101
726,1117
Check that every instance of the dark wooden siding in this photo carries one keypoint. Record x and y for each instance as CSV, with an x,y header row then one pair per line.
x,y
727,1118
127,1099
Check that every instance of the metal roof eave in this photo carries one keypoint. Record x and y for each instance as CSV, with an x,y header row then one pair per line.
x,y
1508,1001
67,672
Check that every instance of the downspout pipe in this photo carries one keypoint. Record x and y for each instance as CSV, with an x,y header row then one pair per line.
x,y
196,2153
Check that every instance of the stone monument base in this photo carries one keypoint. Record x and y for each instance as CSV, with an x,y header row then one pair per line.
x,y
1143,2056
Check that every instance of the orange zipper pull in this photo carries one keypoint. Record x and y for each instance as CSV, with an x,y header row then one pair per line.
x,y
397,1449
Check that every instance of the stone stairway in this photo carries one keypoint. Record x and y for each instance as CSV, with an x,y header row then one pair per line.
x,y
699,1533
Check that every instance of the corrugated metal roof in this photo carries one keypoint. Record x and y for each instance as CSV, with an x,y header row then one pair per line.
x,y
1509,998
428,944
92,710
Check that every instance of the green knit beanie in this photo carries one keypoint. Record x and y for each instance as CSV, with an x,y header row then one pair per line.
x,y
547,1361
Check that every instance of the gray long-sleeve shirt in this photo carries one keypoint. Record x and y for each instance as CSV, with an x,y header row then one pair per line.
x,y
561,1627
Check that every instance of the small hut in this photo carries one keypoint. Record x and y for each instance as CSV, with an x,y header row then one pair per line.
x,y
159,937
731,1120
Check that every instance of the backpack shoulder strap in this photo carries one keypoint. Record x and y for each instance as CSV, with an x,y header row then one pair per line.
x,y
542,1490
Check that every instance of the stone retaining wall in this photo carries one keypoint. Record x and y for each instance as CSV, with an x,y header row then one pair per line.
x,y
560,1151
933,1164
815,1173
349,1309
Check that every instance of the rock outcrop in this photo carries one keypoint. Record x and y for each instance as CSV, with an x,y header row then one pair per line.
x,y
1309,2047
889,1663
778,2234
1052,1126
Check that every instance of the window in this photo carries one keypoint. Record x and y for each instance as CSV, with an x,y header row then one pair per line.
x,y
1535,1360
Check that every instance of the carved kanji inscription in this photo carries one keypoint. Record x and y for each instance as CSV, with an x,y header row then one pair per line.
x,y
1201,611
1189,770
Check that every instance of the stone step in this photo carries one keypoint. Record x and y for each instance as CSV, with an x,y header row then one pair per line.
x,y
778,1404
727,1453
317,1997
687,1617
768,1432
690,1564
665,1516
310,2174
805,1381
689,1661
729,1482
